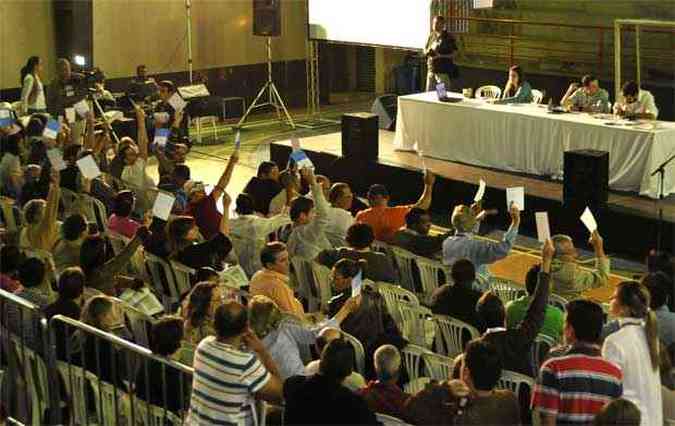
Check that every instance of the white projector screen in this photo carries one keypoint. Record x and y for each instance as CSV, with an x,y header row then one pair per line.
x,y
394,23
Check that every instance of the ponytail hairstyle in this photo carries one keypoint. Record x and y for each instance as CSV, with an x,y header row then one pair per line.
x,y
635,298
29,68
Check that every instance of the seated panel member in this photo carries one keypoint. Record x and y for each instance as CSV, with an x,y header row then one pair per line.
x,y
588,97
636,103
517,90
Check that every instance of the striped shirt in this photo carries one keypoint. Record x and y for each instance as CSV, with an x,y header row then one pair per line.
x,y
224,383
576,386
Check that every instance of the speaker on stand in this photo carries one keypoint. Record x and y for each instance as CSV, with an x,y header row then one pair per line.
x,y
267,18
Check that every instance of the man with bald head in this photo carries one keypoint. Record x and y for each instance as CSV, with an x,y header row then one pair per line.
x,y
567,278
354,381
231,370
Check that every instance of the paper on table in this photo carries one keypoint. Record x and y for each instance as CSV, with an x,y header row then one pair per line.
x,y
161,137
589,220
6,118
357,284
163,205
177,102
70,115
481,191
88,167
543,227
82,108
56,159
517,196
51,130
295,144
237,141
302,160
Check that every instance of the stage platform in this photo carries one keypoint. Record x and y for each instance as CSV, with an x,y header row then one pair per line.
x,y
628,222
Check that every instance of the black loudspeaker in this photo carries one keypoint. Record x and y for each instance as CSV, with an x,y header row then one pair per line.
x,y
267,18
360,137
586,178
386,107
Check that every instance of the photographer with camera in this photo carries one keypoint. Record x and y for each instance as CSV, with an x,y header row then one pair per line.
x,y
64,92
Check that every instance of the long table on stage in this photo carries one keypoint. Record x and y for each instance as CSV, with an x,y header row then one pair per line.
x,y
527,138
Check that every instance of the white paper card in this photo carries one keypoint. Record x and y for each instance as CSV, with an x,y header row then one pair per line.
x,y
52,129
234,277
295,144
88,167
589,220
177,102
481,191
143,300
357,284
302,160
82,108
163,205
543,227
161,137
70,115
516,196
237,141
56,159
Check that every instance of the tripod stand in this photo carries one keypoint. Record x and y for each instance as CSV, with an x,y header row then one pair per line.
x,y
661,171
273,97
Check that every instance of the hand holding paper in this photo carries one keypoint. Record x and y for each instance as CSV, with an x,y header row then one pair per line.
x,y
163,205
516,196
543,227
357,284
481,191
161,137
589,220
302,160
56,159
88,167
52,129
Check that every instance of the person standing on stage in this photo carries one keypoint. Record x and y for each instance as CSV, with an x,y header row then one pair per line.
x,y
440,51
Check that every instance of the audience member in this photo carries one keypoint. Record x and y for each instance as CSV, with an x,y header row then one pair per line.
x,y
10,259
289,181
575,385
67,249
636,102
11,174
182,245
285,338
69,302
321,399
360,237
415,238
659,285
264,187
135,160
21,321
340,218
354,381
635,348
310,219
174,184
231,370
384,395
342,274
249,233
386,220
120,221
481,253
440,403
41,231
588,98
567,278
272,280
517,89
32,89
619,412
514,345
516,309
458,299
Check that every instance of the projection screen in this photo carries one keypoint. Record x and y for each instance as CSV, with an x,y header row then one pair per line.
x,y
392,23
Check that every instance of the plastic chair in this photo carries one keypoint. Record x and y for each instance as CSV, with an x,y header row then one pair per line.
x,y
302,271
139,323
37,380
321,275
429,274
404,262
412,358
506,290
389,420
76,387
182,274
163,280
542,345
359,353
438,367
95,211
71,202
414,319
393,295
537,96
117,241
107,400
453,335
557,302
488,92
414,386
148,414
514,382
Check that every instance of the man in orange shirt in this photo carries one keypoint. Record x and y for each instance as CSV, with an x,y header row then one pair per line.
x,y
272,280
386,220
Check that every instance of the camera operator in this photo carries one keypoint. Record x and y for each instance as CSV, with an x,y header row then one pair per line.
x,y
142,87
176,122
64,92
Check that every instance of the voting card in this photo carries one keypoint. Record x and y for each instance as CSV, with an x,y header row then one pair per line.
x,y
88,167
516,196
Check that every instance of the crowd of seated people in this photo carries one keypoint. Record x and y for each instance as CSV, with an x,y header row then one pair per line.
x,y
263,342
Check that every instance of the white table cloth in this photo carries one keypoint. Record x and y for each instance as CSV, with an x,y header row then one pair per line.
x,y
526,138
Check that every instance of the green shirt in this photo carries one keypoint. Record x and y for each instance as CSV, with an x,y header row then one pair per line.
x,y
553,317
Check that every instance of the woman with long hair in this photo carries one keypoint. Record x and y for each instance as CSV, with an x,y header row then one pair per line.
x,y
517,89
635,348
182,244
32,89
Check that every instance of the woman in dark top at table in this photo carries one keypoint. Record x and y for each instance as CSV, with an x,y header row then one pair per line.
x,y
517,90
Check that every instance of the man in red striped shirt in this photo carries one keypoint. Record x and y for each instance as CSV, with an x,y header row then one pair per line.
x,y
577,382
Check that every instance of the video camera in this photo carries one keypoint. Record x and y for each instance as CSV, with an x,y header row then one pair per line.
x,y
88,79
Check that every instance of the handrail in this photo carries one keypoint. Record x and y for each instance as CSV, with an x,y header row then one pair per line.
x,y
549,24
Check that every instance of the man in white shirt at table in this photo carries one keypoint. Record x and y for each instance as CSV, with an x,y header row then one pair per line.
x,y
636,103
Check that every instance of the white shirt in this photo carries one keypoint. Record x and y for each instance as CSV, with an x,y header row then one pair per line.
x,y
644,105
339,221
27,88
641,383
249,234
353,382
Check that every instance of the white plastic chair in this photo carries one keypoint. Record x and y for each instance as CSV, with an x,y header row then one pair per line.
x,y
148,414
35,374
404,262
505,289
302,271
95,211
182,274
537,96
359,353
76,386
438,367
161,276
107,399
389,420
540,348
414,386
414,324
139,324
452,335
117,241
321,275
514,382
557,302
411,356
393,295
488,92
429,272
